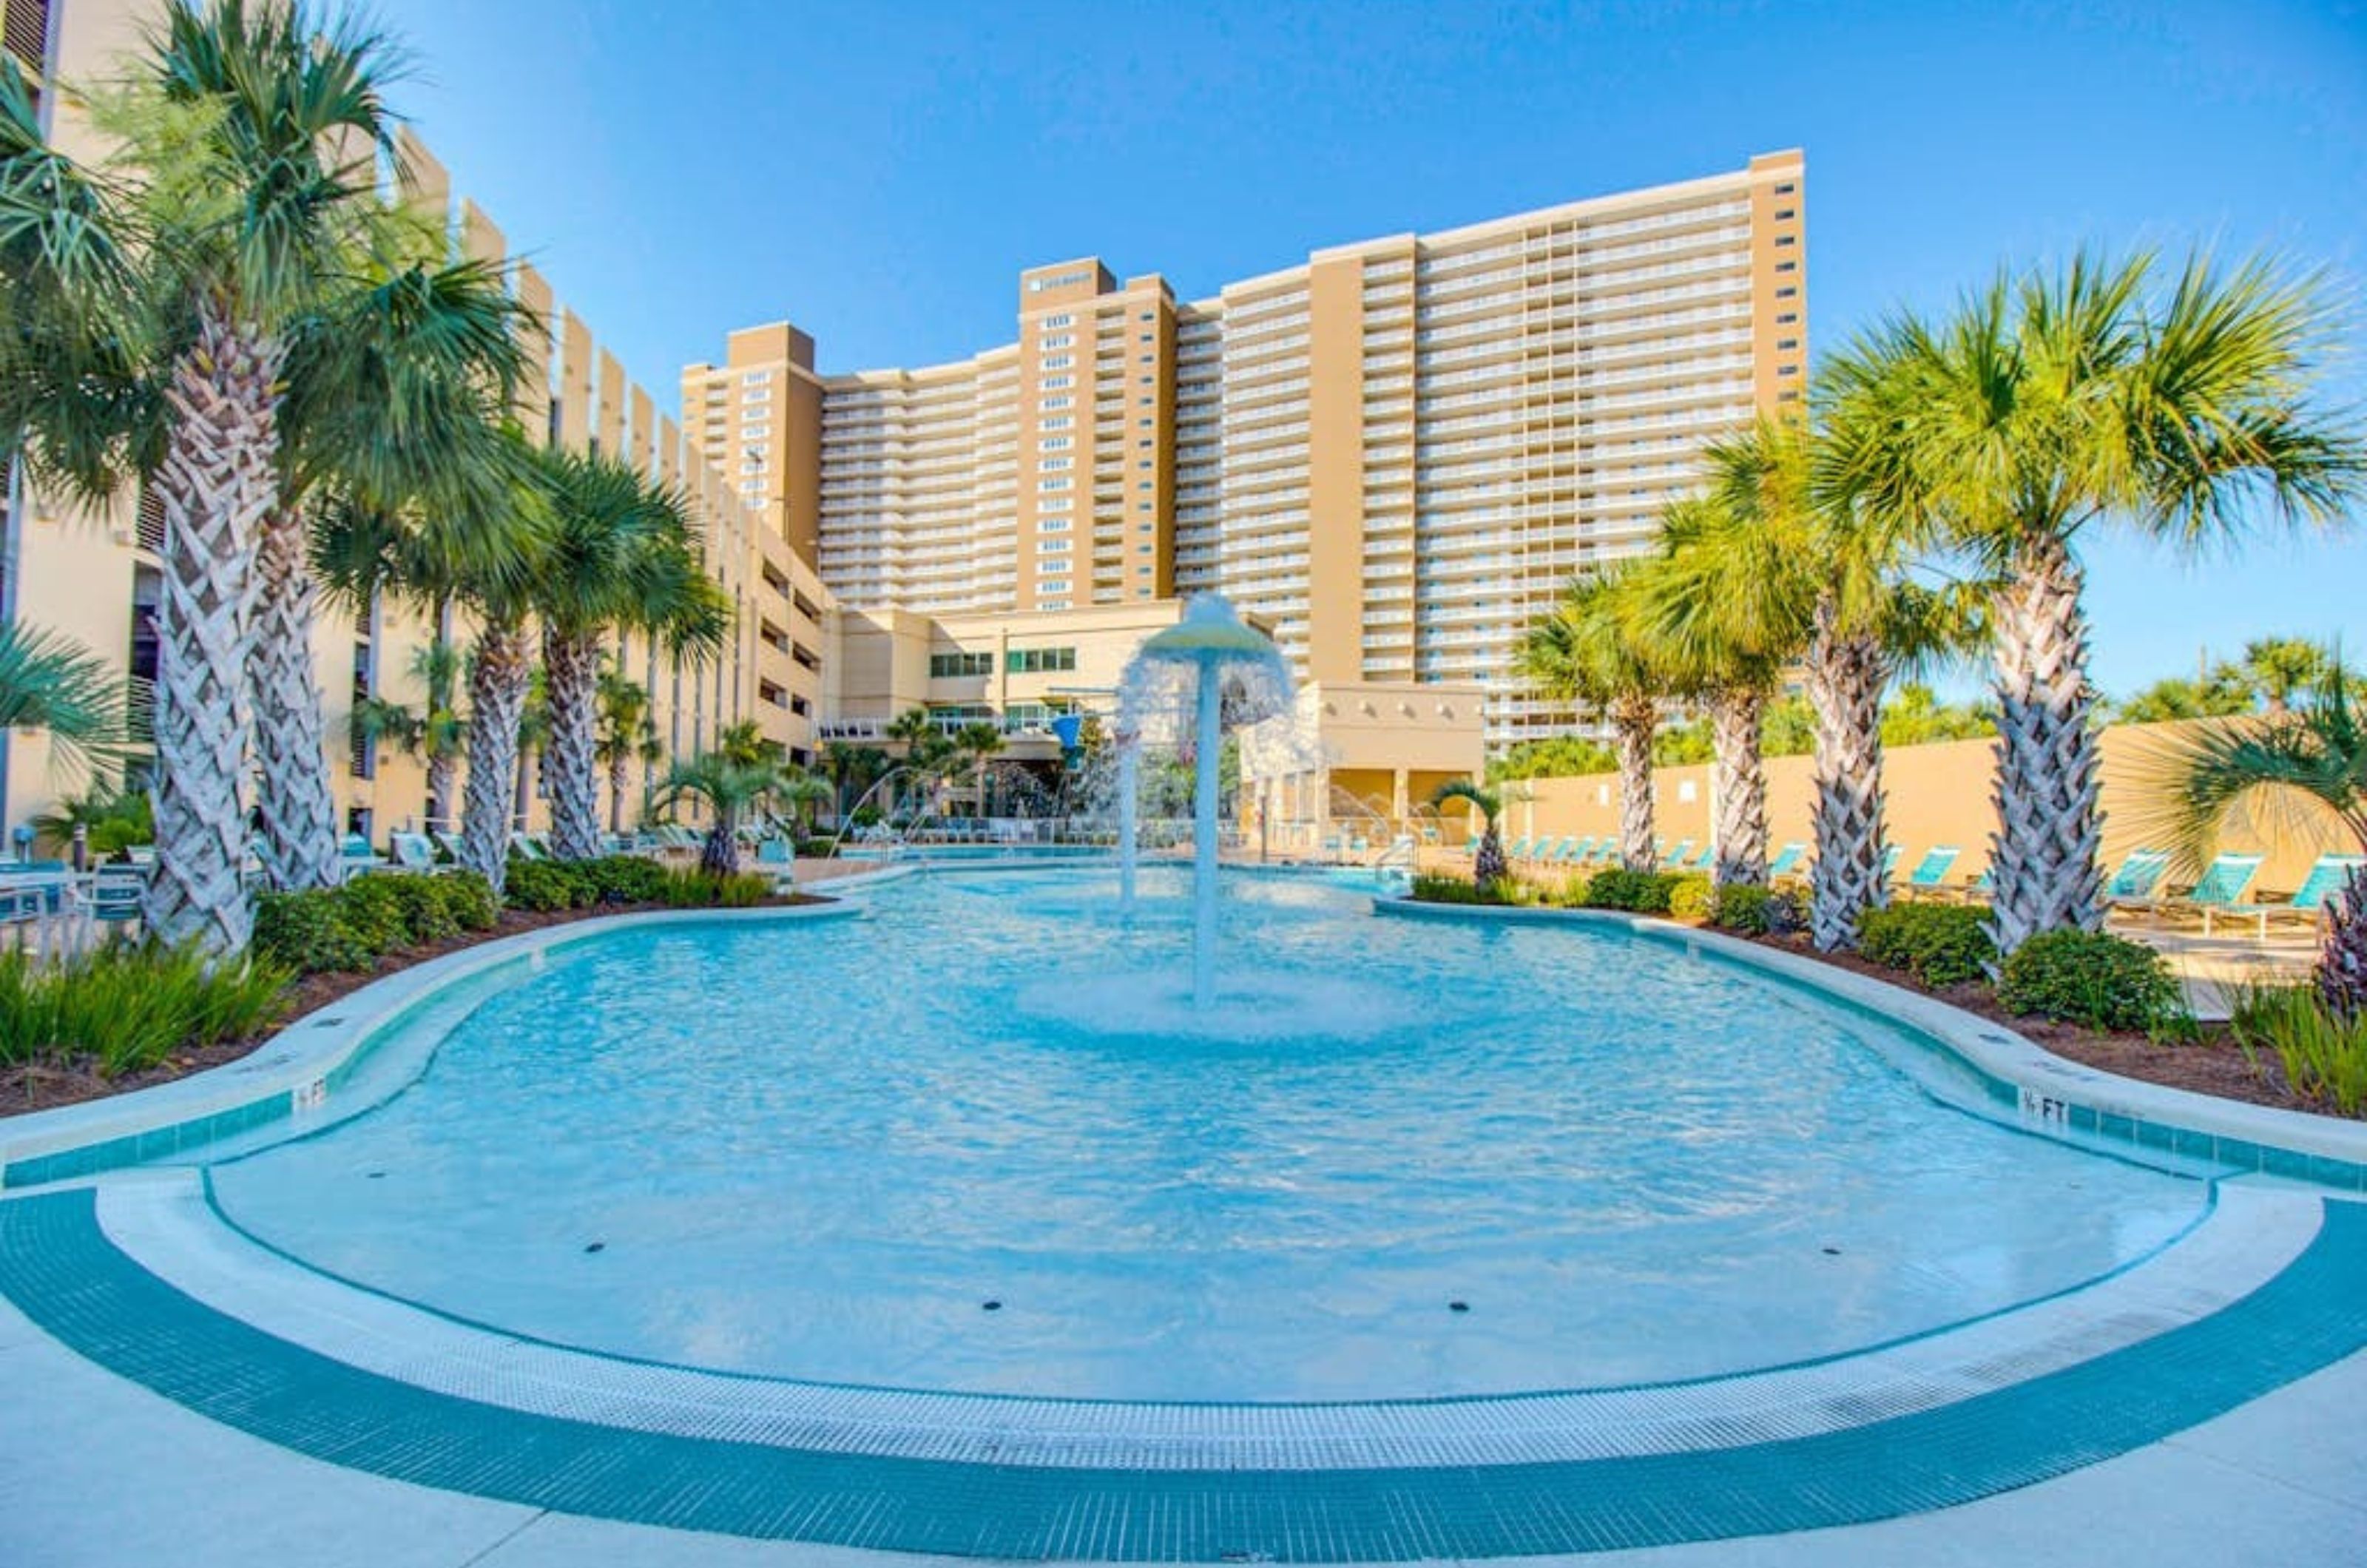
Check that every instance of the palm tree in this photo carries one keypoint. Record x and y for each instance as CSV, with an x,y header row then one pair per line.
x,y
627,732
2277,770
1488,867
853,769
1730,663
623,555
52,684
2048,403
388,390
2277,667
730,787
1780,558
481,552
437,733
973,745
1583,653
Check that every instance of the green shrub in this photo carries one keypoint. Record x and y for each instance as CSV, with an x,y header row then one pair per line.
x,y
1939,944
1754,911
2324,1053
377,911
1691,898
2091,979
696,889
130,1005
1637,892
421,903
545,887
623,879
470,901
311,932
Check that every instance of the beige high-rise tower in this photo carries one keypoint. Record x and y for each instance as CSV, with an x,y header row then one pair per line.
x,y
1397,452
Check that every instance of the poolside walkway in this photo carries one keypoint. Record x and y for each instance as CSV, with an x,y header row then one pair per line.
x,y
95,1470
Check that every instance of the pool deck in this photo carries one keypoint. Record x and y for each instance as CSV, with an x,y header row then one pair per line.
x,y
96,1470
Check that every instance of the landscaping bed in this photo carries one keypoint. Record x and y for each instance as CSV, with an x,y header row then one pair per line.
x,y
41,1083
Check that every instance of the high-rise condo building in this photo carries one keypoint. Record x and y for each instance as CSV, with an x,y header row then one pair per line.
x,y
1396,452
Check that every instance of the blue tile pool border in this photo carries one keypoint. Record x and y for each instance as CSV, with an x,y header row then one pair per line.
x,y
59,1267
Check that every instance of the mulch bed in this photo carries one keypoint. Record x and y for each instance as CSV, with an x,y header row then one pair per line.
x,y
40,1085
2213,1065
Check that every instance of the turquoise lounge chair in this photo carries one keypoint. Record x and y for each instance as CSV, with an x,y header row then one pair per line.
x,y
1577,853
1673,859
2133,886
1788,861
2221,889
2325,879
1931,871
411,851
1703,861
355,857
775,859
1517,850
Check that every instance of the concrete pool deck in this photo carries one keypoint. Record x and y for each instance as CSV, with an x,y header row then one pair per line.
x,y
96,1470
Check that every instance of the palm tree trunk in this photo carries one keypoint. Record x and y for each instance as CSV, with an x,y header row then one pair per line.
x,y
1738,784
617,779
439,789
572,667
2342,962
1846,675
496,696
2049,766
1488,867
219,474
1633,722
292,792
720,855
521,787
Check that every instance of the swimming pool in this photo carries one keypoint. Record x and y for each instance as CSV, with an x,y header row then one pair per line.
x,y
974,1142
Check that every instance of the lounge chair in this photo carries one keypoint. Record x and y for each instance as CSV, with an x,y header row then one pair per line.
x,y
412,853
2325,879
117,892
1577,853
1789,862
1672,859
355,857
2220,890
1703,861
448,842
526,846
778,859
2132,886
1931,872
1517,850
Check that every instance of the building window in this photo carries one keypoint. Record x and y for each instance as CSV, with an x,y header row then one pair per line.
x,y
1052,524
957,666
1787,319
1052,381
1783,343
1052,484
1058,403
1056,443
1062,341
1053,324
1785,214
1787,370
1053,464
1058,361
1787,240
1042,661
1787,266
1788,292
1053,546
1786,188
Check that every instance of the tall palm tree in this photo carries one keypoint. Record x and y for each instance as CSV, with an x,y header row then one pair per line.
x,y
1584,652
1780,558
52,684
481,554
627,732
976,744
437,733
731,787
245,185
2060,400
623,555
1488,867
1730,663
2305,762
390,391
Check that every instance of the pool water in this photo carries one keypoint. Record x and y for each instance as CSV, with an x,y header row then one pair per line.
x,y
974,1141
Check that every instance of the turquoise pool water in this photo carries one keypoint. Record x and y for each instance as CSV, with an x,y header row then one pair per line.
x,y
821,1150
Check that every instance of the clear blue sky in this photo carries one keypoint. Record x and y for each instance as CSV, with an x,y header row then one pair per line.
x,y
880,173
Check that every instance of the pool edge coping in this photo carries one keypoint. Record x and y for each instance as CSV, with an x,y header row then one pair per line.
x,y
291,1070
2048,1087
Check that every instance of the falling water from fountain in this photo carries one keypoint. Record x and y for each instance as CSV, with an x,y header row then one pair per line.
x,y
1213,668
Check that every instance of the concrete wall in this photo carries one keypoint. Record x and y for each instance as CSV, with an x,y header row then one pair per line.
x,y
1937,795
